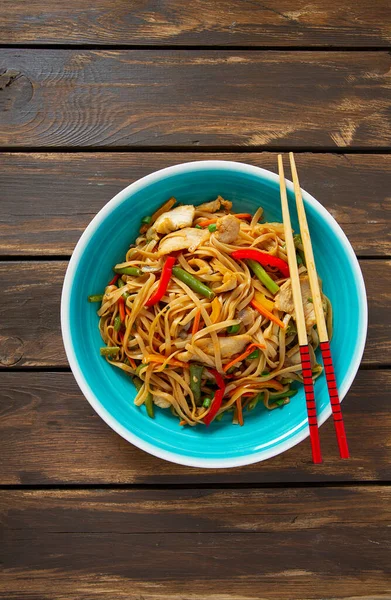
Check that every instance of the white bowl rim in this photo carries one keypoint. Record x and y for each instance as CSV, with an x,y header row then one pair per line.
x,y
122,196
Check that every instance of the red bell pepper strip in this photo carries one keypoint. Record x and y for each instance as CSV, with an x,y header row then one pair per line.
x,y
114,280
121,308
163,283
263,258
218,397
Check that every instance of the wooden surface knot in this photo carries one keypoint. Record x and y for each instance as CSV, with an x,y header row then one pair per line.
x,y
11,350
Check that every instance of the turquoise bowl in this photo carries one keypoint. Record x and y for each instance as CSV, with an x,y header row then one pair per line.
x,y
111,393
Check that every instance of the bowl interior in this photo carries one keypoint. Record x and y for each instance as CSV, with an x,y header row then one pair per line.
x,y
112,393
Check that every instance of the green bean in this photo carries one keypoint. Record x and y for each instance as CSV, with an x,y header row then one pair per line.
x,y
135,271
252,404
253,355
138,383
263,277
95,298
206,402
194,284
120,283
195,382
109,351
117,323
233,328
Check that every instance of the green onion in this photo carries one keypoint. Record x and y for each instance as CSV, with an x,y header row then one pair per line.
x,y
263,277
207,402
233,328
196,372
117,323
194,284
253,355
264,373
291,329
148,400
135,271
146,220
280,402
139,367
120,283
310,300
298,259
95,298
219,416
212,227
198,226
231,370
109,351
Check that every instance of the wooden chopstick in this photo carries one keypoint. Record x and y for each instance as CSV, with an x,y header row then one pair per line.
x,y
319,314
300,320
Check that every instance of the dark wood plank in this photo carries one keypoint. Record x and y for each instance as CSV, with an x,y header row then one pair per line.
x,y
45,210
31,294
201,22
290,544
190,98
43,415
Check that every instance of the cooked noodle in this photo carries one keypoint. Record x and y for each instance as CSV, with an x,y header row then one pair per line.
x,y
160,344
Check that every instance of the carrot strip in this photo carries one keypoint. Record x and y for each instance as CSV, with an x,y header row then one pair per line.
x,y
266,313
132,362
121,307
239,411
128,311
196,322
243,216
241,357
207,222
183,422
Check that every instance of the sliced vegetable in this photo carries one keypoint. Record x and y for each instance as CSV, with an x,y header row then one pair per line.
x,y
212,228
208,222
95,298
121,308
146,219
148,400
207,402
120,283
253,355
243,216
135,271
218,397
252,404
263,277
266,313
109,351
163,283
196,322
239,411
233,329
117,323
196,372
261,298
216,310
114,280
198,226
241,357
194,284
158,358
263,258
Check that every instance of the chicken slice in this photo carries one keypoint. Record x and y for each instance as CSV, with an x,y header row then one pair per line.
x,y
284,300
228,228
177,218
229,346
188,238
209,207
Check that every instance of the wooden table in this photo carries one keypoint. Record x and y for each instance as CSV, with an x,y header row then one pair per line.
x,y
91,99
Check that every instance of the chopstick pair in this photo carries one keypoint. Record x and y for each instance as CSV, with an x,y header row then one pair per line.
x,y
300,320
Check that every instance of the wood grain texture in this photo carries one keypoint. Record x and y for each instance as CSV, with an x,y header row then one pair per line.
x,y
194,98
47,199
199,544
31,294
49,434
201,22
